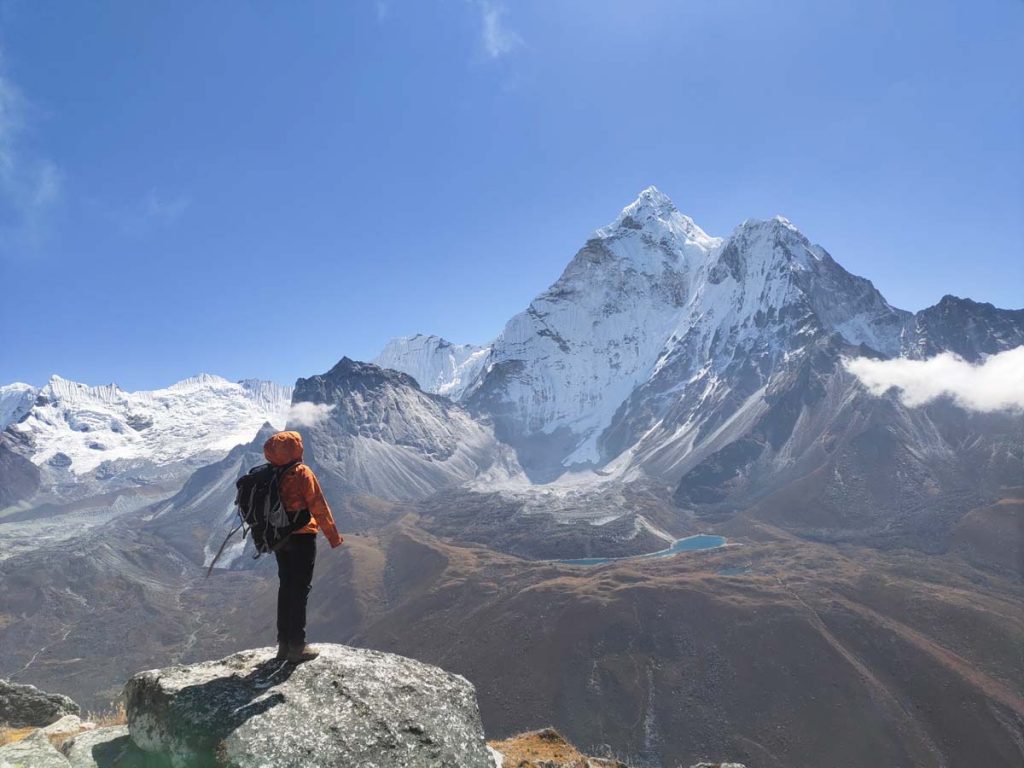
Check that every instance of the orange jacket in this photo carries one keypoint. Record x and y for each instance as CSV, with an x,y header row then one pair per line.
x,y
299,487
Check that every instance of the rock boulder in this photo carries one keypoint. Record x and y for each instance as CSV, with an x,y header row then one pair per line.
x,y
25,706
351,707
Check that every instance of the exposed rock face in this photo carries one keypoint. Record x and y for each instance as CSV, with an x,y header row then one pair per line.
x,y
25,706
967,328
351,707
19,477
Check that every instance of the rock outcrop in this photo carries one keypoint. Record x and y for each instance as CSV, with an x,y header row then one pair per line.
x,y
25,706
350,707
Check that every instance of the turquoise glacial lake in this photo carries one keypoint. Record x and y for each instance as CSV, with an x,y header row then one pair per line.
x,y
689,544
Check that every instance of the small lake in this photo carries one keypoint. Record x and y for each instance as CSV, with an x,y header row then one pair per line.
x,y
689,544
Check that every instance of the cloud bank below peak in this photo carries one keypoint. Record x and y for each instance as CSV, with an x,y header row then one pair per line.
x,y
995,384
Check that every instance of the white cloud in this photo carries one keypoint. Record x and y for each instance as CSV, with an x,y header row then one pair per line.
x,y
498,40
995,384
30,185
308,414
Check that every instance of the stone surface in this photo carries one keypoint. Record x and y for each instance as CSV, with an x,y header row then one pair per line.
x,y
25,706
350,707
64,728
107,748
34,751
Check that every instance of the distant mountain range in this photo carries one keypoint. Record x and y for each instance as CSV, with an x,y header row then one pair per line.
x,y
663,356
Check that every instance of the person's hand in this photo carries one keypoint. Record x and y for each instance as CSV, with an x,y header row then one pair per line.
x,y
338,542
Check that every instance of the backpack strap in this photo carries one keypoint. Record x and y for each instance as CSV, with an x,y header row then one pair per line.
x,y
282,471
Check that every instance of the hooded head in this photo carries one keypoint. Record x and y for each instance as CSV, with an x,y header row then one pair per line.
x,y
283,448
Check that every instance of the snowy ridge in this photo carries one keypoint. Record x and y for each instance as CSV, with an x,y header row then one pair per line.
x,y
76,427
438,366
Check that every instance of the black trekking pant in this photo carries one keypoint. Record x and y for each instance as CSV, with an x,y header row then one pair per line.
x,y
295,561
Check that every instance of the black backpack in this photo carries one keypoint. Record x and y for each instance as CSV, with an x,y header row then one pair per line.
x,y
261,512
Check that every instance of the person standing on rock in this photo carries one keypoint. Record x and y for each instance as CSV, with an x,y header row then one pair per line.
x,y
299,490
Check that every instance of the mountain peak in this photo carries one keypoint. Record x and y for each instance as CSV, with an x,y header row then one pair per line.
x,y
651,203
654,214
774,224
949,301
363,374
654,197
200,380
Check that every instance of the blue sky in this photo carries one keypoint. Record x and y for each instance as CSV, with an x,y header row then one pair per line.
x,y
256,189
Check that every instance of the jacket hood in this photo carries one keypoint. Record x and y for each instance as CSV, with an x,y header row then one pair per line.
x,y
283,448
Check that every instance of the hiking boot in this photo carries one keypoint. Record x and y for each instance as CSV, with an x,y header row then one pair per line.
x,y
300,653
282,652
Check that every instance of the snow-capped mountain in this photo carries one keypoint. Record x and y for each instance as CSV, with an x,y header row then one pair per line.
x,y
71,430
439,367
652,296
559,370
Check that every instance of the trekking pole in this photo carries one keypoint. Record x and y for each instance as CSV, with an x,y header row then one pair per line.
x,y
221,550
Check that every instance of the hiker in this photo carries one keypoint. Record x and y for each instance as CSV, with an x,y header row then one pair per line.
x,y
299,490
